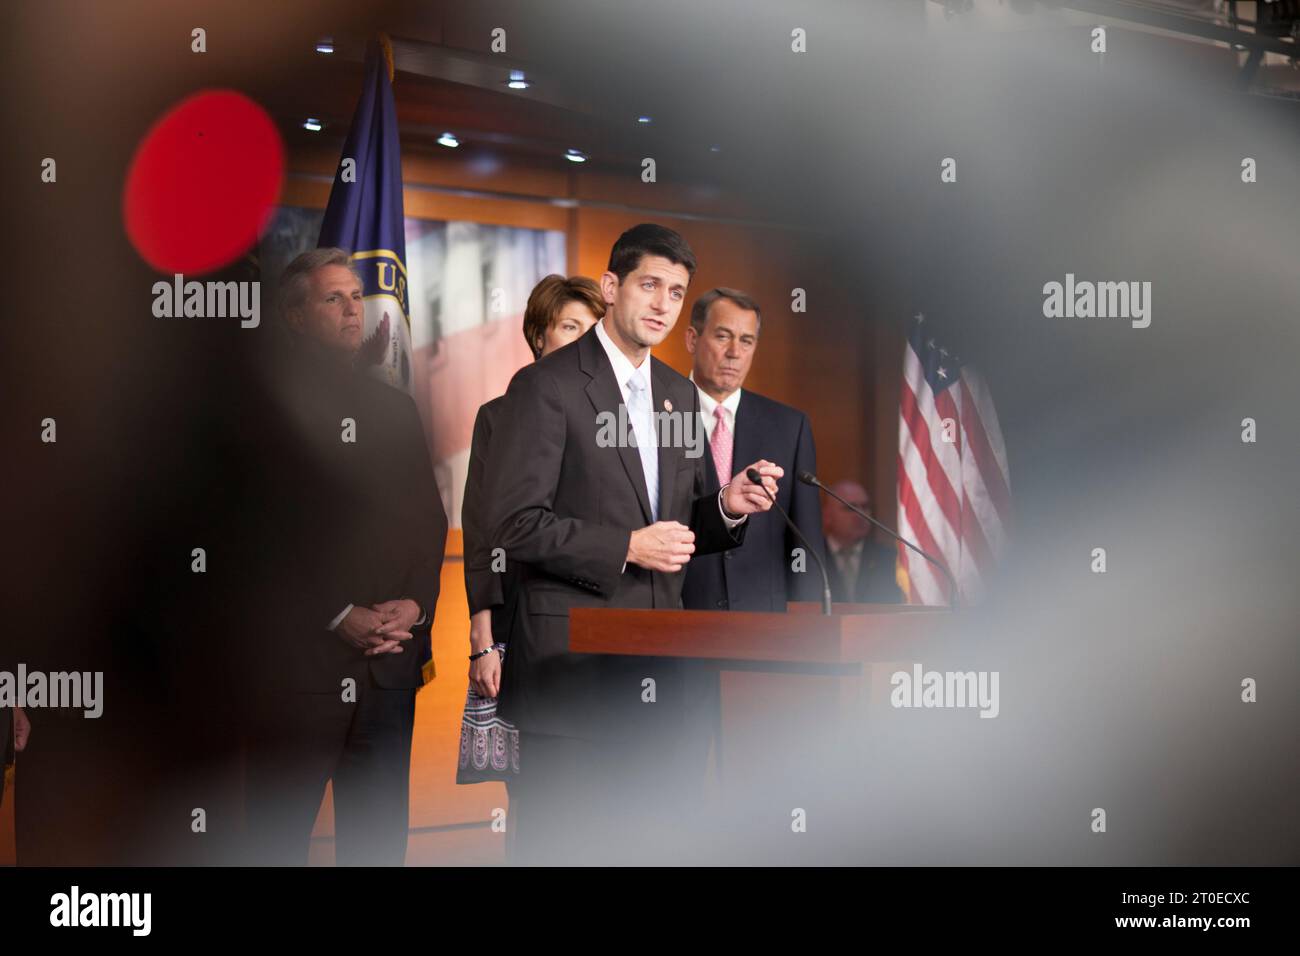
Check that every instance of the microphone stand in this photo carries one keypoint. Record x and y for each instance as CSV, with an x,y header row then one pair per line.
x,y
753,475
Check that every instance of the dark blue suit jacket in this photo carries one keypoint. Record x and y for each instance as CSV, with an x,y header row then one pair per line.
x,y
758,576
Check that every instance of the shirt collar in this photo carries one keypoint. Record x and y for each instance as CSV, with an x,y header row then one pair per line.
x,y
837,548
623,367
708,403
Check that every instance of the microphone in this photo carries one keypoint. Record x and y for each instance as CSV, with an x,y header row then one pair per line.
x,y
753,475
808,478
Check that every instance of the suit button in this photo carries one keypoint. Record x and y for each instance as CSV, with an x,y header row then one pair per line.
x,y
727,555
722,603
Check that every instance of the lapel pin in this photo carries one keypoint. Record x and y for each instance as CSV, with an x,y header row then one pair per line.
x,y
668,406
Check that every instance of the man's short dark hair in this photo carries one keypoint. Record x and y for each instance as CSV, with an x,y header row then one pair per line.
x,y
649,239
700,310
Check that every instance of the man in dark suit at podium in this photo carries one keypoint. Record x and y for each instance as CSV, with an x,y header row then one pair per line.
x,y
741,424
598,516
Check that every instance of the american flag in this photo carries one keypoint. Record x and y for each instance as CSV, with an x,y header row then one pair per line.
x,y
954,489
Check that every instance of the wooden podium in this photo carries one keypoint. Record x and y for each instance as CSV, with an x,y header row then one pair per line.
x,y
800,667
799,705
853,635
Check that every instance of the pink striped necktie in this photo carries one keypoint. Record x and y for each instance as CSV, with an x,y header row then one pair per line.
x,y
720,445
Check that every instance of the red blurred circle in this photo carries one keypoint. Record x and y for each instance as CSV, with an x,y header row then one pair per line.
x,y
203,183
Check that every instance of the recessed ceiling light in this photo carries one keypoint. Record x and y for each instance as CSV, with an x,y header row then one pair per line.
x,y
518,81
325,45
449,140
314,125
575,155
644,120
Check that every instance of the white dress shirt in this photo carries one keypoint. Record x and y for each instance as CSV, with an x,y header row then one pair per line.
x,y
623,369
707,405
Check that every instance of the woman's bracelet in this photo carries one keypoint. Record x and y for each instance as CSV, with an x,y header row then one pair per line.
x,y
482,653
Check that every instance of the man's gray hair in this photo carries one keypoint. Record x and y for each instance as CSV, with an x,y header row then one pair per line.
x,y
297,274
700,311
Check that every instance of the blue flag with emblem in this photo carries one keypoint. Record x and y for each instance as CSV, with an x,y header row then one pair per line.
x,y
365,217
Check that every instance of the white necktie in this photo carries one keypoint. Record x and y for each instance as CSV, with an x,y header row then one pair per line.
x,y
638,408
